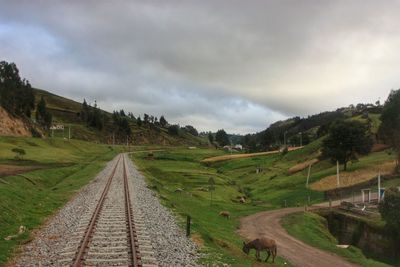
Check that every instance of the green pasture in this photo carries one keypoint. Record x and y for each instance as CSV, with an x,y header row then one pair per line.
x,y
181,181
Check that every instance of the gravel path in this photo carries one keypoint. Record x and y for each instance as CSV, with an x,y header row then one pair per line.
x,y
267,223
170,245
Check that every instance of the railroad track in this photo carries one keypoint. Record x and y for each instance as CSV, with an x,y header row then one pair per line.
x,y
113,235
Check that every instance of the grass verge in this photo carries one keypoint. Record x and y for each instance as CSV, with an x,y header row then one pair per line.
x,y
312,229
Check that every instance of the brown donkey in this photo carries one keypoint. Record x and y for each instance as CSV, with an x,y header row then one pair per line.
x,y
260,244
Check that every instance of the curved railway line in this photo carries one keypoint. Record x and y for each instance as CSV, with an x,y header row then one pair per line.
x,y
113,235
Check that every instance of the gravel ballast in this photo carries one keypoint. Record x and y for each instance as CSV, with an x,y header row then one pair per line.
x,y
171,246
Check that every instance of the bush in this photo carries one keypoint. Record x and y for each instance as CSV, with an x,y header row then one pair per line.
x,y
173,129
19,153
390,209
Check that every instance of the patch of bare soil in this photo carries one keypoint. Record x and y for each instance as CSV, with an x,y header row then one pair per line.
x,y
249,155
379,147
352,178
302,166
12,126
7,170
295,251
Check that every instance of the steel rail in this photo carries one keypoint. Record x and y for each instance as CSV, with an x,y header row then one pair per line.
x,y
135,257
78,260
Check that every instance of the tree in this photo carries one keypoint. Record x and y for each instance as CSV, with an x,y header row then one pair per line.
x,y
121,124
139,121
43,116
95,118
16,95
84,111
222,138
389,129
190,129
146,118
173,129
210,137
163,121
346,139
390,209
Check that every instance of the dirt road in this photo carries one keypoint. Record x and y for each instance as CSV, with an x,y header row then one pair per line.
x,y
295,251
246,155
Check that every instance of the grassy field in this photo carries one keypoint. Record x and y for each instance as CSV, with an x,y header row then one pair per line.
x,y
28,199
365,169
176,169
312,229
180,177
181,180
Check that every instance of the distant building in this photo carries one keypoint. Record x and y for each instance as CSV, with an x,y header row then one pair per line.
x,y
238,147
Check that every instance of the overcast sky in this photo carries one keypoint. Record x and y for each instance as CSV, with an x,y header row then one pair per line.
x,y
238,65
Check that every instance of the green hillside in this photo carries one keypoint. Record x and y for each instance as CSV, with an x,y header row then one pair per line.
x,y
182,181
68,113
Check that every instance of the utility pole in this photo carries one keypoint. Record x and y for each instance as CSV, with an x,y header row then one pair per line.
x,y
308,175
301,139
69,132
379,186
337,174
284,138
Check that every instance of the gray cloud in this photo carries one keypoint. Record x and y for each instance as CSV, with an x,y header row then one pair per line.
x,y
213,64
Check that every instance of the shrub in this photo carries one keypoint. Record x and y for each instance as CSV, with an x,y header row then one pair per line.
x,y
19,153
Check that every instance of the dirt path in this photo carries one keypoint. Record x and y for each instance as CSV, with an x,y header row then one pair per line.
x,y
295,251
246,155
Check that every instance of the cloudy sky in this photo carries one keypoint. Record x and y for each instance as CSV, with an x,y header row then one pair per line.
x,y
238,65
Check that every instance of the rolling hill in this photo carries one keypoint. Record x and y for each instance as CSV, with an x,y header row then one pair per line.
x,y
67,112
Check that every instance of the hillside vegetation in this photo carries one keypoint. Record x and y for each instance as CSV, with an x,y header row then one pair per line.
x,y
69,113
264,181
26,111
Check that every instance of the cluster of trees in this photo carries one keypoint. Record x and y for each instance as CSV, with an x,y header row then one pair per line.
x,y
121,124
297,130
152,120
92,116
347,139
175,129
390,211
16,94
43,116
221,138
389,130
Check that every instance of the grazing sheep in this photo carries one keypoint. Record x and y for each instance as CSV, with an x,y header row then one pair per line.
x,y
225,214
